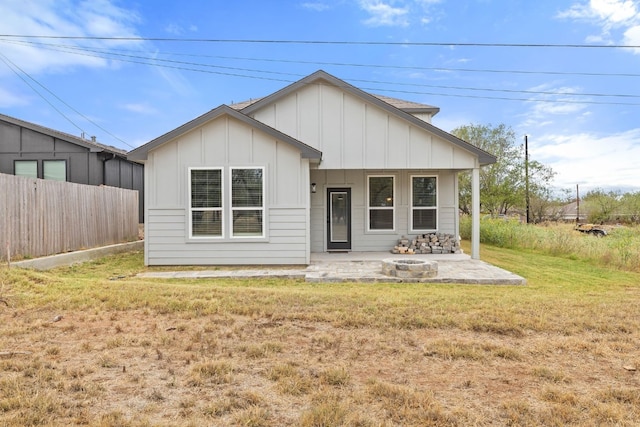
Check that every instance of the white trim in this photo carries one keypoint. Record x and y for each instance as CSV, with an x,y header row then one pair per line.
x,y
221,209
231,209
392,208
436,208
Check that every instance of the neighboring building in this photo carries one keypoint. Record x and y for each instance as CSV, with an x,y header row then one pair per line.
x,y
317,166
571,212
35,151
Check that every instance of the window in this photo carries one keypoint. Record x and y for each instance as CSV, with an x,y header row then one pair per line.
x,y
28,168
54,169
247,202
205,189
212,203
381,203
424,203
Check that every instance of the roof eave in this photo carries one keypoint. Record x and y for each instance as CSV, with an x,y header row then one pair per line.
x,y
94,147
484,158
141,153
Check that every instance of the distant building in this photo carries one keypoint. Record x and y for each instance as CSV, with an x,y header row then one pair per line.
x,y
569,212
31,150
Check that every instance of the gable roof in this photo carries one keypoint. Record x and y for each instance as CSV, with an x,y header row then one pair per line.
x,y
406,106
91,145
142,152
484,157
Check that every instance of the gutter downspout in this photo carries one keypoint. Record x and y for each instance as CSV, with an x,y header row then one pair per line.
x,y
104,167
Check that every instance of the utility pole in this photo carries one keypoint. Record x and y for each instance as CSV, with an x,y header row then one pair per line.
x,y
577,204
526,174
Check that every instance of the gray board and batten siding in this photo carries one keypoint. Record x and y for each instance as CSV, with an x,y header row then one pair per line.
x,y
316,137
226,139
86,161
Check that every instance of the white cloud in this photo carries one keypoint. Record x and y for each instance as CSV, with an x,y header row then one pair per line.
x,y
384,14
557,101
632,37
179,30
94,18
399,13
589,159
174,29
316,6
611,16
139,108
610,11
9,99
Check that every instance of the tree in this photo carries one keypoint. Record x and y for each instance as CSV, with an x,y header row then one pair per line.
x,y
502,184
602,205
631,207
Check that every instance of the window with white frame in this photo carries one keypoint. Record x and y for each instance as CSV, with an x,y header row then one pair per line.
x,y
381,202
206,194
424,203
247,202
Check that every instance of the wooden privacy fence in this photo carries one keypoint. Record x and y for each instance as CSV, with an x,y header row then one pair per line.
x,y
43,217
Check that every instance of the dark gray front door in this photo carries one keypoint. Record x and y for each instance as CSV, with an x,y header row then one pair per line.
x,y
338,218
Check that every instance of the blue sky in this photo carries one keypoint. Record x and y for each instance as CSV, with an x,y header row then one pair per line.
x,y
580,107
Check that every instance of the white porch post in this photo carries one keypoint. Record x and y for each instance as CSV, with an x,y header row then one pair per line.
x,y
475,213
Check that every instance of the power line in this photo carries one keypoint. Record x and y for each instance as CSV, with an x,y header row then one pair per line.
x,y
7,61
11,66
326,42
340,64
136,58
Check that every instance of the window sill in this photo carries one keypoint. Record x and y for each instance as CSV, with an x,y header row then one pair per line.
x,y
227,240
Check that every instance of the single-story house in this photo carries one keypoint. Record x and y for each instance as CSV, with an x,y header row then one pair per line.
x,y
35,151
317,166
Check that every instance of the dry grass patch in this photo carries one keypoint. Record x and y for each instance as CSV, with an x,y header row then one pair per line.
x,y
134,352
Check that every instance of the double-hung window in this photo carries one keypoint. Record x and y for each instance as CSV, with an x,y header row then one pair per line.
x,y
381,203
205,202
247,202
218,209
424,203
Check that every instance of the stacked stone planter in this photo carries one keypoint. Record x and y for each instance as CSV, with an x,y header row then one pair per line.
x,y
433,243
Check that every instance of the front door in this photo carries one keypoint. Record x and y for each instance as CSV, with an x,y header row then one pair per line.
x,y
338,219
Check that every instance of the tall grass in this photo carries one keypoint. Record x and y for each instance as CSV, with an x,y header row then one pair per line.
x,y
619,249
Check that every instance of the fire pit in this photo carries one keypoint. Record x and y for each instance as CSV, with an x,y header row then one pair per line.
x,y
409,268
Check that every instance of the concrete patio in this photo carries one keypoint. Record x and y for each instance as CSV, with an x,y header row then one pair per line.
x,y
326,267
363,267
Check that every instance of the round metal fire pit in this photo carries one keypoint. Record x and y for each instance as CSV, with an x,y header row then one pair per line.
x,y
409,268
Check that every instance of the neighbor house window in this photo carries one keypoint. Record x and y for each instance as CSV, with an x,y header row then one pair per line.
x,y
205,189
247,202
28,168
381,203
54,169
424,203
